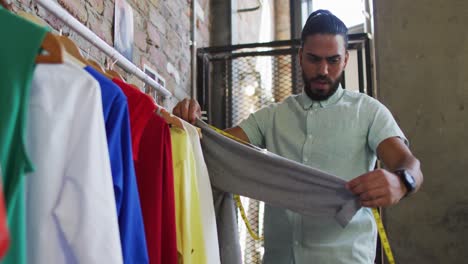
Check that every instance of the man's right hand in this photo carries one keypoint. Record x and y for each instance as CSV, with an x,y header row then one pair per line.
x,y
188,109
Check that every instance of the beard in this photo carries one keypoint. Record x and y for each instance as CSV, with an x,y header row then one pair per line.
x,y
320,95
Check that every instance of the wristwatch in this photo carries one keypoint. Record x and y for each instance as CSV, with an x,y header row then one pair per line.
x,y
407,179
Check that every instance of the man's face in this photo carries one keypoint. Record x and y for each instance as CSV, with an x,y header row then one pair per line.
x,y
323,59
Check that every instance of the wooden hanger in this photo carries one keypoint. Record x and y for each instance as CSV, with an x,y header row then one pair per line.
x,y
74,51
98,68
71,48
169,118
95,65
54,49
115,74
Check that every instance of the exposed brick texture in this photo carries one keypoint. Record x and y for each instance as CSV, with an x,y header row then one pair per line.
x,y
97,5
161,33
77,8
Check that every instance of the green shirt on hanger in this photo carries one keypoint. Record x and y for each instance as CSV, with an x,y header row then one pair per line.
x,y
21,42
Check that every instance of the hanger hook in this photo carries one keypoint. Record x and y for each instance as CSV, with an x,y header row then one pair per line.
x,y
112,65
155,95
87,53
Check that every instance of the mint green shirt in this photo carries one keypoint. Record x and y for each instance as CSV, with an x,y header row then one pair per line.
x,y
339,136
21,42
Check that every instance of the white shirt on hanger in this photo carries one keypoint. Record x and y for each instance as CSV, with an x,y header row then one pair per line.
x,y
71,212
210,232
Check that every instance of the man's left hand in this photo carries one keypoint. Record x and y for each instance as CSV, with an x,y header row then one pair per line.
x,y
377,188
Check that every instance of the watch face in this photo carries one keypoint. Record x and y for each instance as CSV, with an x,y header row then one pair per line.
x,y
410,180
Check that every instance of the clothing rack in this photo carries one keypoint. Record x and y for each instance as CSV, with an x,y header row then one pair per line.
x,y
86,33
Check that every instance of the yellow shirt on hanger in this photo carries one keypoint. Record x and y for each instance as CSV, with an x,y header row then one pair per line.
x,y
190,241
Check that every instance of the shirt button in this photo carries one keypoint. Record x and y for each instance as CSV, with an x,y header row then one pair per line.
x,y
305,159
296,243
309,136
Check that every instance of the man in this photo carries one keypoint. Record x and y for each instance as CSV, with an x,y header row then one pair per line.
x,y
337,131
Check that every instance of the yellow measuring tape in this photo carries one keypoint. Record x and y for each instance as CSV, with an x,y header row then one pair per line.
x,y
246,221
383,236
375,212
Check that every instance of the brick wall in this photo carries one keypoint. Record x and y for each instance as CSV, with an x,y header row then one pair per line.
x,y
161,38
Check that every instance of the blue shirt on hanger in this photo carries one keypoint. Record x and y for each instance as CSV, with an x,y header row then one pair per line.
x,y
132,233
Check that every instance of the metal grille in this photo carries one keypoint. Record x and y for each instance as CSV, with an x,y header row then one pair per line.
x,y
261,80
235,81
252,249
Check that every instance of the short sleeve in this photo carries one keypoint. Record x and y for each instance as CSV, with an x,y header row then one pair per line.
x,y
382,126
257,124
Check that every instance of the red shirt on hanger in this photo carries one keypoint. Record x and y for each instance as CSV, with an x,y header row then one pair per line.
x,y
141,107
155,177
156,185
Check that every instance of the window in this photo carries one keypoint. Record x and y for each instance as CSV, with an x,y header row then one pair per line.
x,y
350,11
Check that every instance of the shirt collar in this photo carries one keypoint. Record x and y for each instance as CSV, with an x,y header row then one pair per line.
x,y
307,103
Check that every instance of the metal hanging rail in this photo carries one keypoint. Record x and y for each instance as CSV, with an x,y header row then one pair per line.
x,y
86,33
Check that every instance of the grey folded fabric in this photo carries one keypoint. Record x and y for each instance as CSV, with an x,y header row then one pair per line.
x,y
226,220
262,175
